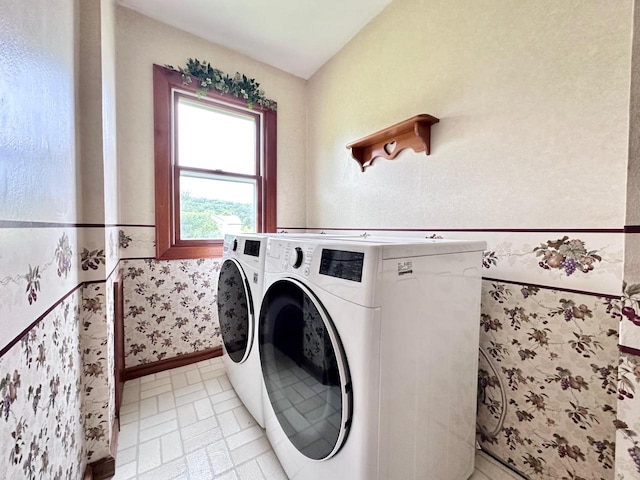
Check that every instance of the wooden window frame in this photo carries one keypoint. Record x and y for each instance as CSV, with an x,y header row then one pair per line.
x,y
168,244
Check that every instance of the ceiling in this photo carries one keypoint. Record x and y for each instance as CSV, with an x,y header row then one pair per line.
x,y
297,36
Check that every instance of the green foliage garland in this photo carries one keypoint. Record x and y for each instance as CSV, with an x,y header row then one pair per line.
x,y
239,86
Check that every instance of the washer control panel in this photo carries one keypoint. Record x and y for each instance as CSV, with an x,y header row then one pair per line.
x,y
297,258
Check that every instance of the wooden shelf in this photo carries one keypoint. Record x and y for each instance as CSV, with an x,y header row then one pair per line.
x,y
414,133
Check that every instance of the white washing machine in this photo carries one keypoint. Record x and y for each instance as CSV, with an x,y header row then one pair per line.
x,y
239,297
369,357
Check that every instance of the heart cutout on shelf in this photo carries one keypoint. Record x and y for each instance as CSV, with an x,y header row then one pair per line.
x,y
390,147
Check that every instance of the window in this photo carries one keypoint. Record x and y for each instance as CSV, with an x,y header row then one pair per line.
x,y
215,168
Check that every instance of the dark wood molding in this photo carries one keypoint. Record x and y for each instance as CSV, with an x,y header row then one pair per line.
x,y
559,289
88,473
30,224
270,173
103,468
414,133
490,230
118,339
168,244
169,363
632,229
629,350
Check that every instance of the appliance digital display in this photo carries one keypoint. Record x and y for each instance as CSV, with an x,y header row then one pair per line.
x,y
252,247
342,264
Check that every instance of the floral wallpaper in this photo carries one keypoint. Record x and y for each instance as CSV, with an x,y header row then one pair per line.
x,y
170,308
41,424
98,380
547,380
628,422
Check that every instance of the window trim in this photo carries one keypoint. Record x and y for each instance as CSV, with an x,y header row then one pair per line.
x,y
167,246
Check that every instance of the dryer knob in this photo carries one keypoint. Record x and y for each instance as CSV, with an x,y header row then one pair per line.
x,y
235,245
296,257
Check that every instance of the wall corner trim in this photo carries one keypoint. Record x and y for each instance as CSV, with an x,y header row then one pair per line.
x,y
169,363
100,469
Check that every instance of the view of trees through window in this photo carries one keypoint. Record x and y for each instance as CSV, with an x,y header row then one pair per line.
x,y
210,218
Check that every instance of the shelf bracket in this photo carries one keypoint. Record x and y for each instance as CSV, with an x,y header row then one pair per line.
x,y
414,133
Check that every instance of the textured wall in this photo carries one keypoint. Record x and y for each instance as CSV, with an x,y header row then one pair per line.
x,y
533,102
140,43
38,164
57,381
533,105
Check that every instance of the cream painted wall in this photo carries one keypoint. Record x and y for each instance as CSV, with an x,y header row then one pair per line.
x,y
37,158
109,146
141,42
533,102
91,180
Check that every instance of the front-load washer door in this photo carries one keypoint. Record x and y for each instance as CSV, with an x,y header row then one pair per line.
x,y
305,370
235,310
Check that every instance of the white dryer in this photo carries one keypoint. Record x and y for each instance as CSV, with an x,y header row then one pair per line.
x,y
368,351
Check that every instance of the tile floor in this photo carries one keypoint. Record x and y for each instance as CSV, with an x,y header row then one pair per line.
x,y
188,423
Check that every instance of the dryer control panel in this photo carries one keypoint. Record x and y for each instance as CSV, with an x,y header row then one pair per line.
x,y
343,264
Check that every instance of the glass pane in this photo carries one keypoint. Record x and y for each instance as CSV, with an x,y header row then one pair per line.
x,y
300,370
233,311
215,139
211,208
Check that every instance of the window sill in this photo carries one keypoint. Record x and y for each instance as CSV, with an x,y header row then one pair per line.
x,y
184,252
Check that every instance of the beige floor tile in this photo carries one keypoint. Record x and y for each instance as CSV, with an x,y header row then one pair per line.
x,y
201,440
228,476
228,423
250,450
167,471
189,424
158,430
250,471
219,457
190,398
187,415
148,407
152,392
171,446
198,465
245,420
270,466
149,455
227,405
243,437
179,381
203,408
128,436
156,383
166,401
125,472
157,419
193,377
127,455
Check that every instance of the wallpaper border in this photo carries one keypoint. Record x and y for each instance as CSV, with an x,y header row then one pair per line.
x,y
36,224
33,324
497,230
560,289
